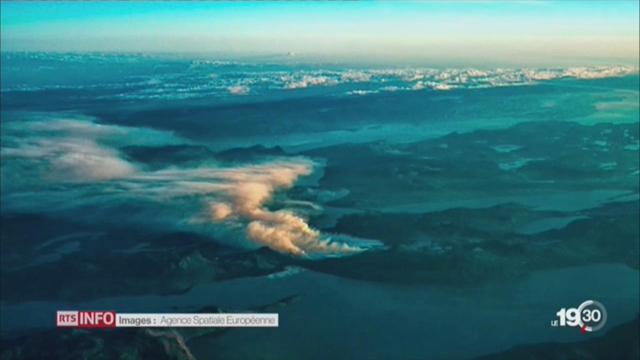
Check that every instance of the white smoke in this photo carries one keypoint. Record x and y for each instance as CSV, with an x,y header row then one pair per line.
x,y
239,195
246,196
235,197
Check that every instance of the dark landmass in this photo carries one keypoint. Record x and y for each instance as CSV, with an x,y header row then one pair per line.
x,y
527,159
620,343
450,247
458,207
163,156
130,344
458,247
161,264
252,153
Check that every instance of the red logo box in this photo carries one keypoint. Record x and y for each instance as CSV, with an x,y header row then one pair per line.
x,y
86,319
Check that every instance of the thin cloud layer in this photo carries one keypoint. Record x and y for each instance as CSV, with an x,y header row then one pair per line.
x,y
206,78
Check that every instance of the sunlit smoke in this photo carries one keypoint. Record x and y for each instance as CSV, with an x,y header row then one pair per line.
x,y
235,197
281,230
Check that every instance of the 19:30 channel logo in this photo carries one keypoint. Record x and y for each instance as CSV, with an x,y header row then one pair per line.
x,y
590,316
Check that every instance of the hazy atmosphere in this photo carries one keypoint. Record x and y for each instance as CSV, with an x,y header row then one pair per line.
x,y
392,180
535,32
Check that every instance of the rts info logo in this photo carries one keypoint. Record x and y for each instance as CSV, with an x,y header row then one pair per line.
x,y
590,316
86,319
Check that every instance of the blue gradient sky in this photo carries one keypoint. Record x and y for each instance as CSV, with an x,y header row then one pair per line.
x,y
475,32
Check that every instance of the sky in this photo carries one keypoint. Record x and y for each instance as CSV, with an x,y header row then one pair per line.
x,y
476,32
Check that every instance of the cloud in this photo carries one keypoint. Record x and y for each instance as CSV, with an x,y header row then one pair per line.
x,y
252,78
309,80
362,92
597,72
418,86
239,90
355,76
